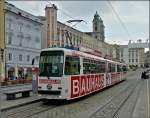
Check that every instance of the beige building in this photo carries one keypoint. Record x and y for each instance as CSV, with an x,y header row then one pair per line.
x,y
2,41
136,56
133,53
57,34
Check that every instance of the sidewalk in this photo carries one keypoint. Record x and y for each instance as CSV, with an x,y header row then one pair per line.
x,y
7,104
13,85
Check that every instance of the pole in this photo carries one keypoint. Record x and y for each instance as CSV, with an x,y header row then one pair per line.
x,y
2,41
2,46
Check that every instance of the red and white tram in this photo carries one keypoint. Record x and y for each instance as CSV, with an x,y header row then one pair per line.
x,y
69,74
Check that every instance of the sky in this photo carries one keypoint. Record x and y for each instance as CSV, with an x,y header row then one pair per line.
x,y
134,16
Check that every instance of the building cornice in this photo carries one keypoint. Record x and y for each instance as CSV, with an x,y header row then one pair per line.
x,y
23,13
23,48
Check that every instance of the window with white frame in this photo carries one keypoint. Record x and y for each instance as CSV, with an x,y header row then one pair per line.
x,y
9,39
9,24
20,57
20,26
37,39
10,56
28,58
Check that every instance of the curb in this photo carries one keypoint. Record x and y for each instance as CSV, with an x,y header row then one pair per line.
x,y
21,104
14,85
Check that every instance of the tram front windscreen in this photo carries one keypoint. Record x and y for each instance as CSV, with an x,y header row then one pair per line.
x,y
51,63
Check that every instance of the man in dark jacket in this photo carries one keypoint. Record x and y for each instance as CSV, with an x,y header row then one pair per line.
x,y
142,77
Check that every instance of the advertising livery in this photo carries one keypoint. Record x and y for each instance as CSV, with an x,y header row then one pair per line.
x,y
69,74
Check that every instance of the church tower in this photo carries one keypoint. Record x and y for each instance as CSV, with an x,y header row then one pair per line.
x,y
98,28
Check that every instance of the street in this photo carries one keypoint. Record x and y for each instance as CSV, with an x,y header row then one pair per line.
x,y
74,59
127,99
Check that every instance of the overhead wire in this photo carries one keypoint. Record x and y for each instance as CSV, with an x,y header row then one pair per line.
x,y
120,20
64,12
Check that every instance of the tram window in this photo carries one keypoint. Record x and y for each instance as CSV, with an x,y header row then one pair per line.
x,y
93,66
124,68
112,67
86,66
72,65
102,67
118,68
51,63
109,67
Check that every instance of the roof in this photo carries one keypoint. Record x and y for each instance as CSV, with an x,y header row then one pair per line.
x,y
123,46
80,53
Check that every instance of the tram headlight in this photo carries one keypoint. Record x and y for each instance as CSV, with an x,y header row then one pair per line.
x,y
49,86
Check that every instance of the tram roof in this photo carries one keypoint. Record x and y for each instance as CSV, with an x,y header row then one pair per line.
x,y
72,50
82,53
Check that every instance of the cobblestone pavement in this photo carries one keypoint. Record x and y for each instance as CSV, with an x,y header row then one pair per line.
x,y
137,105
85,107
26,110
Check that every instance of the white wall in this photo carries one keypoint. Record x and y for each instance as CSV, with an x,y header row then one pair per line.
x,y
24,28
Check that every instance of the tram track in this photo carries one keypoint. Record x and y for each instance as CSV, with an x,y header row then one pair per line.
x,y
131,101
29,110
108,110
111,108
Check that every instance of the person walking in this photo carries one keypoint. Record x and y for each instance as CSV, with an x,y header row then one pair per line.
x,y
144,74
142,77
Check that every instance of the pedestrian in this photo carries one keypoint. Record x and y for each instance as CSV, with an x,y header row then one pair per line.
x,y
142,75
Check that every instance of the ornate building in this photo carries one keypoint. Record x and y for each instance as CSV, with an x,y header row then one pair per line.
x,y
23,41
98,28
60,34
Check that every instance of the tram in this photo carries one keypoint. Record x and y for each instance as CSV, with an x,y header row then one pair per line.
x,y
69,73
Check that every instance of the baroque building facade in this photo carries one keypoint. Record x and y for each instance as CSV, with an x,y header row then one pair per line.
x,y
22,42
98,28
59,34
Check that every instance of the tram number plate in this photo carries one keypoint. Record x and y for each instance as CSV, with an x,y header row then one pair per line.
x,y
46,81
